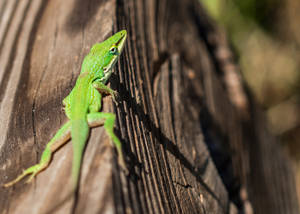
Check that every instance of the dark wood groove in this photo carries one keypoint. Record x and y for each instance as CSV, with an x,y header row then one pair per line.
x,y
189,145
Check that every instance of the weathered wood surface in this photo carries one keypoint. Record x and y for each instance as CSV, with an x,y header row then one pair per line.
x,y
193,139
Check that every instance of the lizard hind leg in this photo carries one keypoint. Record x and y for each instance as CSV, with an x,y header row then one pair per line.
x,y
58,140
108,120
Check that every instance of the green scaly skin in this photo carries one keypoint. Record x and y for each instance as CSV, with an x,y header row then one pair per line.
x,y
82,107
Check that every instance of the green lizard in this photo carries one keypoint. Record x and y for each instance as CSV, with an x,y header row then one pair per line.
x,y
82,107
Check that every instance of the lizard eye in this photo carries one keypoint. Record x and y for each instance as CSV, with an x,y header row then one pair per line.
x,y
105,69
113,50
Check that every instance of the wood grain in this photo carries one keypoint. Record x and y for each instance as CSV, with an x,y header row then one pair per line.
x,y
194,139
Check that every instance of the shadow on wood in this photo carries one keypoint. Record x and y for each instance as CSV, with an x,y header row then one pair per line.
x,y
193,137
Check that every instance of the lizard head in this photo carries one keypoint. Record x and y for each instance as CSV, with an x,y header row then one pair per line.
x,y
107,54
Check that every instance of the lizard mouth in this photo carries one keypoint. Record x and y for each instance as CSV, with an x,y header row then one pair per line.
x,y
121,42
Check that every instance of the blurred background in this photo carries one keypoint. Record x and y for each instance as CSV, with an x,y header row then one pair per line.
x,y
265,35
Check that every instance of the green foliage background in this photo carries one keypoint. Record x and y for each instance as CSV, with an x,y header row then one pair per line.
x,y
266,36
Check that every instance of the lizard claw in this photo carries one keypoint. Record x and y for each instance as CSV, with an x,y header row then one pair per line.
x,y
114,94
31,177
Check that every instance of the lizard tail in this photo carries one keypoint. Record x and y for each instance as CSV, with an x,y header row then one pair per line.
x,y
79,133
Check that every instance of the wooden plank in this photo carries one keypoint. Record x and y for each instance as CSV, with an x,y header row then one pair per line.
x,y
183,122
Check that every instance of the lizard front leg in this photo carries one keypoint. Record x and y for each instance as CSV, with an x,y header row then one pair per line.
x,y
104,89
